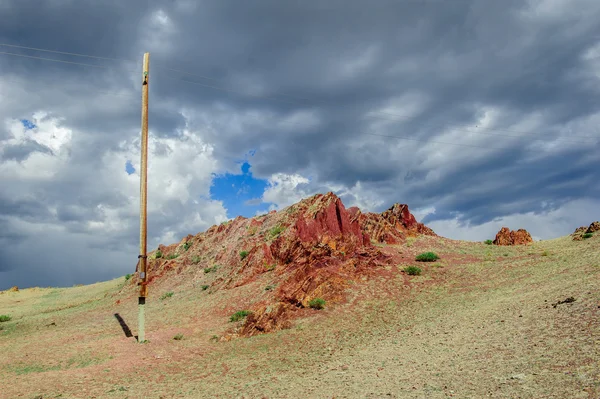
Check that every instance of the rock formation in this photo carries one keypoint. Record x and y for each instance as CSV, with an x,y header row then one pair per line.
x,y
580,231
314,248
508,237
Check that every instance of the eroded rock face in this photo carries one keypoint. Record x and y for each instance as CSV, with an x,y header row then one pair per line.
x,y
391,226
508,237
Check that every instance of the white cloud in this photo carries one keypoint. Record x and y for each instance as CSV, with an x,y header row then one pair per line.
x,y
285,189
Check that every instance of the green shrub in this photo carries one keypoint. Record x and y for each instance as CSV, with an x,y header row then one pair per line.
x,y
317,303
196,259
270,267
205,287
243,254
274,232
210,269
172,256
489,242
187,245
413,270
5,317
166,295
158,254
427,257
239,315
269,287
545,253
128,276
588,235
178,337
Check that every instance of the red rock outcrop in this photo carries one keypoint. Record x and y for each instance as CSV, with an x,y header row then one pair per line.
x,y
314,248
580,231
391,226
508,237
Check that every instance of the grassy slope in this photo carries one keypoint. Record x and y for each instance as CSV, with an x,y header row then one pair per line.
x,y
482,325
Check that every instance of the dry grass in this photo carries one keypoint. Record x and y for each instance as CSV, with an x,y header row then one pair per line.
x,y
480,324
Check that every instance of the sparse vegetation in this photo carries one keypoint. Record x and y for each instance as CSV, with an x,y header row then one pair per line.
x,y
239,315
210,269
173,256
187,245
158,254
413,270
588,235
128,276
196,259
214,338
427,257
166,295
317,303
275,231
545,253
178,337
5,317
270,267
269,287
489,242
205,287
243,254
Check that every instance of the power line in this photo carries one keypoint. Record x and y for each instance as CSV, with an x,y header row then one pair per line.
x,y
67,53
54,60
399,119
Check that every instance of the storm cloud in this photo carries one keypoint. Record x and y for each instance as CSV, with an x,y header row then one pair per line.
x,y
475,113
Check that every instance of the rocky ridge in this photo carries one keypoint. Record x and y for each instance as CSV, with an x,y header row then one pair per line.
x,y
315,248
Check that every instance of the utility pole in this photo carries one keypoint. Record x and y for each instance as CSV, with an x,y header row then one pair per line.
x,y
143,276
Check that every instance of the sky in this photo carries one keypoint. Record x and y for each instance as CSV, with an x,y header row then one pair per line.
x,y
477,114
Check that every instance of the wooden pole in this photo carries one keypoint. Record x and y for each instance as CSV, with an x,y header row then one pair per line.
x,y
143,277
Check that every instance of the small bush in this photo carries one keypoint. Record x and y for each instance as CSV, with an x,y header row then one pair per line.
x,y
317,303
545,253
269,287
243,254
214,338
239,315
489,242
274,232
588,235
159,254
270,267
210,269
178,337
205,287
172,256
128,276
166,295
413,270
196,259
5,317
427,257
187,245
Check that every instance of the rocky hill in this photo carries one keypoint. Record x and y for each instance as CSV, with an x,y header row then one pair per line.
x,y
316,248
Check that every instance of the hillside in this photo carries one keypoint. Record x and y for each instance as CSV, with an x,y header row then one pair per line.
x,y
483,320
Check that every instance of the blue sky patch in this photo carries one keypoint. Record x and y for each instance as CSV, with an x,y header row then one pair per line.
x,y
241,193
28,124
129,168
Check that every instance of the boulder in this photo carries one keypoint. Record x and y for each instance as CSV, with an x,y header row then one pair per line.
x,y
508,237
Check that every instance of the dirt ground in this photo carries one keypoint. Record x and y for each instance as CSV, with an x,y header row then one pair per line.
x,y
484,321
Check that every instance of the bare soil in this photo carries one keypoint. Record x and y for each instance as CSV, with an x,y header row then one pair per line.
x,y
480,322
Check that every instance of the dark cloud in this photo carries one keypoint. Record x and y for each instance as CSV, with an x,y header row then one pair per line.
x,y
21,151
317,89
